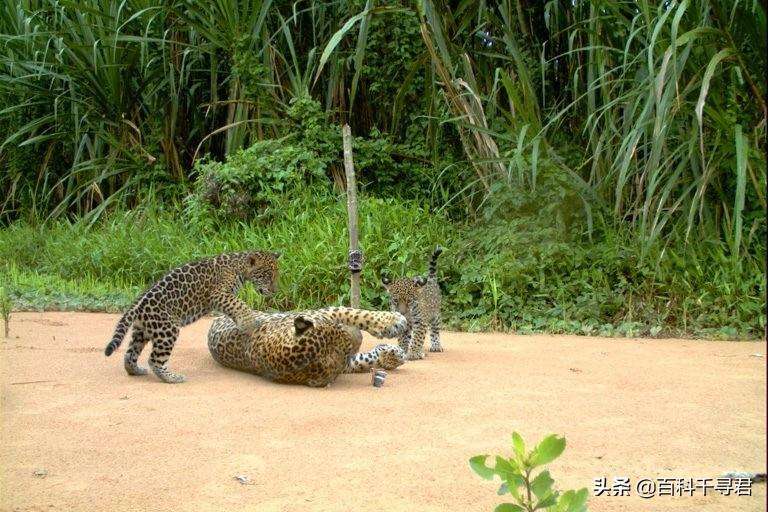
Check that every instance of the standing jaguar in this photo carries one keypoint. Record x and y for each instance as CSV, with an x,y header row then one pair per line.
x,y
419,300
308,347
184,295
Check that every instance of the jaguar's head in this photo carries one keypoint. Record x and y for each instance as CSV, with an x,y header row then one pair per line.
x,y
403,292
261,269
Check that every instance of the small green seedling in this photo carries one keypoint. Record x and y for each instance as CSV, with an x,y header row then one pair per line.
x,y
530,492
5,309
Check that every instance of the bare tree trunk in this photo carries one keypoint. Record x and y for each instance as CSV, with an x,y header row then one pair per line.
x,y
355,259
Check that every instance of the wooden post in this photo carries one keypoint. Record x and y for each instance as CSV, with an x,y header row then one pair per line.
x,y
349,170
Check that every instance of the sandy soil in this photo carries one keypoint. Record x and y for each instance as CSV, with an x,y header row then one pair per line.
x,y
634,408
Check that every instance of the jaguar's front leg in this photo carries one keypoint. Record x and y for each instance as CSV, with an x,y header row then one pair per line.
x,y
418,333
416,347
245,318
405,339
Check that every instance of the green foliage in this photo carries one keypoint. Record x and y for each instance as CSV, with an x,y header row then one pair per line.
x,y
80,86
389,167
599,166
6,306
619,100
522,273
530,492
249,183
251,180
393,45
530,274
29,290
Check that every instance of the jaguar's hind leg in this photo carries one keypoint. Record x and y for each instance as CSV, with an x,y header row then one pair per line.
x,y
138,341
163,338
382,355
382,324
389,357
355,338
361,362
434,335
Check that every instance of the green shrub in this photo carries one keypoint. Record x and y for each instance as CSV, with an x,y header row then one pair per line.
x,y
247,185
530,492
528,275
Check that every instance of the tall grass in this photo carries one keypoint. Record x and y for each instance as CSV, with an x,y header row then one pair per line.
x,y
674,119
119,94
664,100
88,91
132,249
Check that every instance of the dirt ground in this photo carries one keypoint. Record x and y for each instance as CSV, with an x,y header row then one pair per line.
x,y
105,441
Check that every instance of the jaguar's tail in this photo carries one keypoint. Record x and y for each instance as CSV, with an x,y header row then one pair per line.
x,y
433,263
122,327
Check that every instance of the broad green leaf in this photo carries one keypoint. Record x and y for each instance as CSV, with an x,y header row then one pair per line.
x,y
477,463
694,34
334,41
508,507
518,445
506,468
542,484
515,486
534,161
579,502
547,501
548,450
362,39
573,501
420,7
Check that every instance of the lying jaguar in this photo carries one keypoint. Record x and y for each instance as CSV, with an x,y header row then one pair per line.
x,y
308,347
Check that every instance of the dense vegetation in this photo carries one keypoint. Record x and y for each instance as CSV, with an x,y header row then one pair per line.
x,y
594,167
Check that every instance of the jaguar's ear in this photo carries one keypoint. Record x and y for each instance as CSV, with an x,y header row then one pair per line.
x,y
276,255
301,324
419,281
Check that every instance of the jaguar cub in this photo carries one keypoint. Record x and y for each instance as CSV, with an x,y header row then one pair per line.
x,y
419,300
183,296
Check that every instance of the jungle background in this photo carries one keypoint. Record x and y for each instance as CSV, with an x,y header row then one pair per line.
x,y
590,167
